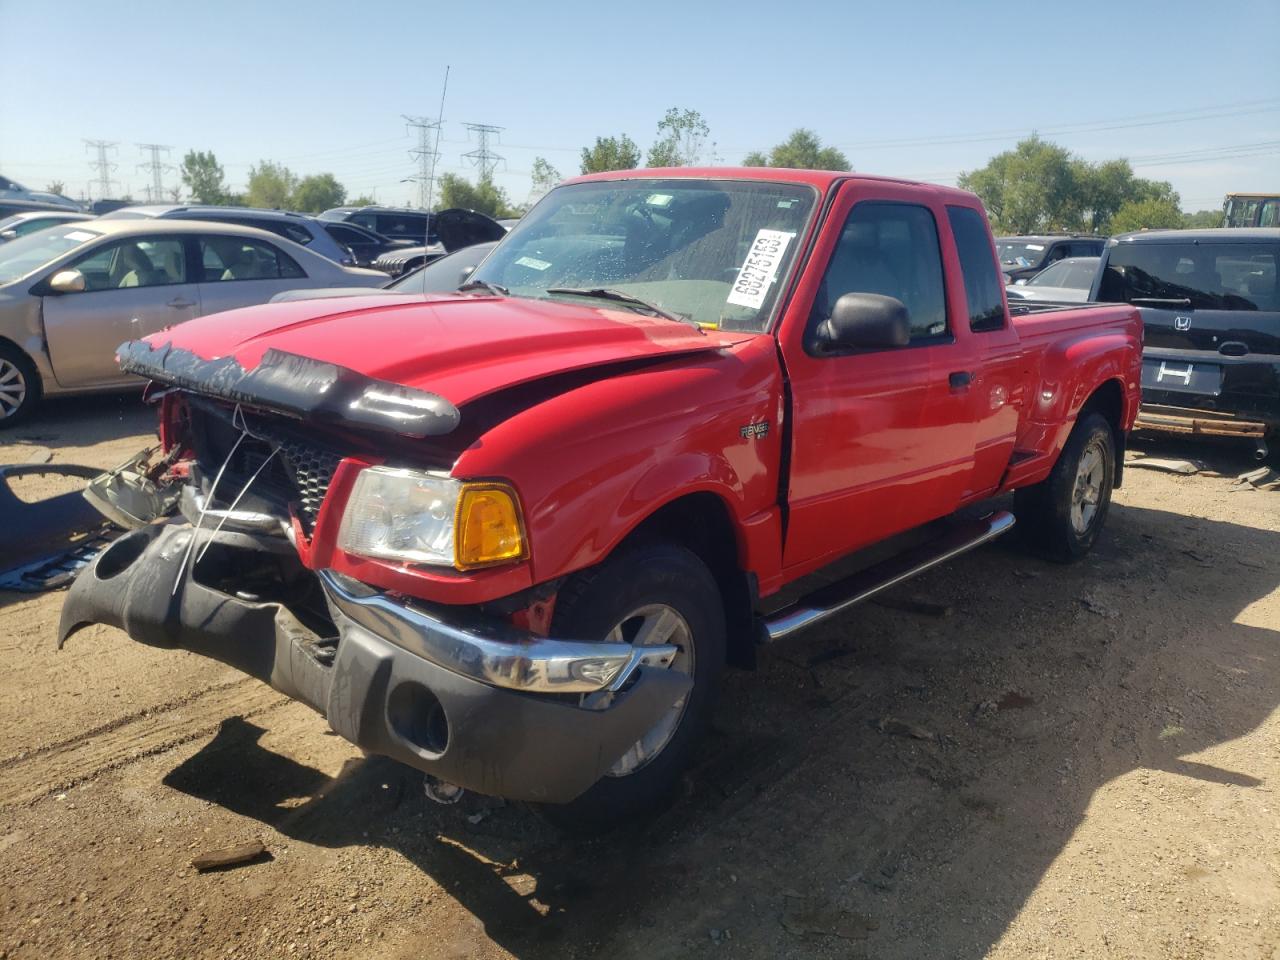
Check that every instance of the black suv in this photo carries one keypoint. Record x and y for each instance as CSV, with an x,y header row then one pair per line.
x,y
394,223
1021,258
1211,313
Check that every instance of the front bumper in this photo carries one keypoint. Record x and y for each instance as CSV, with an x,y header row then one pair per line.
x,y
453,701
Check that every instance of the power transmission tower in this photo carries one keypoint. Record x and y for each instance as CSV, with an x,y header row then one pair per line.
x,y
155,190
102,165
486,160
425,153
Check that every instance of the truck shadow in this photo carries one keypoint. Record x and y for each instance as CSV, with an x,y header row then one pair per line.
x,y
902,779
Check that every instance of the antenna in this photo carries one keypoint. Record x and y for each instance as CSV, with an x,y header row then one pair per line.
x,y
426,234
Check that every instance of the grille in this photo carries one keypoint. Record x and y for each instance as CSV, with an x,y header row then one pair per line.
x,y
311,469
300,472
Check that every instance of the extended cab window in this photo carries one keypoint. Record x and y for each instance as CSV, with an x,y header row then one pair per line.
x,y
983,287
231,258
134,263
890,249
1204,276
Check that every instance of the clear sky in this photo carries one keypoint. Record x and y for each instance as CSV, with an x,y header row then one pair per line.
x,y
1188,90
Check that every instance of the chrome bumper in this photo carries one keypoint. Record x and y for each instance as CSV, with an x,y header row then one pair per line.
x,y
487,650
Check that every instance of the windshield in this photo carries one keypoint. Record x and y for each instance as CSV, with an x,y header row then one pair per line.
x,y
1018,253
25,254
1077,274
713,252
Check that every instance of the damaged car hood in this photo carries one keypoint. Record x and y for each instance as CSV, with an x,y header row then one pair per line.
x,y
442,352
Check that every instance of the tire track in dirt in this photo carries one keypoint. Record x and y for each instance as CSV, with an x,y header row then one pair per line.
x,y
30,776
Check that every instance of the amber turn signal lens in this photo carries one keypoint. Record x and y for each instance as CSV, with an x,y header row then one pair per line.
x,y
489,527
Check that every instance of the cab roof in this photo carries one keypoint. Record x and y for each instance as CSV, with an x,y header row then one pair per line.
x,y
821,179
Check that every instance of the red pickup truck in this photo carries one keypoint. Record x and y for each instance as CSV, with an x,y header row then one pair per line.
x,y
511,536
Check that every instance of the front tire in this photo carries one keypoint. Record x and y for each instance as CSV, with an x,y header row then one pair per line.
x,y
19,386
1061,516
649,594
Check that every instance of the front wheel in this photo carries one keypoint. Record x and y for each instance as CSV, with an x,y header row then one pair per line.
x,y
1061,516
659,594
19,386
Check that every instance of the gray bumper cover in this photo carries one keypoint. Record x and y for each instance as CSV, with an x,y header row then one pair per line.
x,y
374,692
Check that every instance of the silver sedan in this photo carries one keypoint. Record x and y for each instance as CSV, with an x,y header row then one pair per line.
x,y
70,295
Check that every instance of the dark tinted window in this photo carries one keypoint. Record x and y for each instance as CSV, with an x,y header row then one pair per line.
x,y
232,258
345,234
983,283
397,225
890,249
1213,276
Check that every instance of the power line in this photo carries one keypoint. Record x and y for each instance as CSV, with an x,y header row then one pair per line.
x,y
1093,126
155,189
102,165
425,154
486,160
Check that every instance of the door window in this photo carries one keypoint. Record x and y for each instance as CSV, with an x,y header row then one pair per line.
x,y
154,262
982,281
890,249
234,258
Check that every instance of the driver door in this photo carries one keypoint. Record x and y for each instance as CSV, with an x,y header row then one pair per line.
x,y
883,440
133,287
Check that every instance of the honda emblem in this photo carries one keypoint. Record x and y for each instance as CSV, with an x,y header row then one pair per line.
x,y
1182,323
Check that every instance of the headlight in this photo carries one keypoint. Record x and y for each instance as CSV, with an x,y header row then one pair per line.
x,y
418,517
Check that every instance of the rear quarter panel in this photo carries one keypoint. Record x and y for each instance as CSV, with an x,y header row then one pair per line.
x,y
1069,355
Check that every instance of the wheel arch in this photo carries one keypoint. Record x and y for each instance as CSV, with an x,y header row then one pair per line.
x,y
1108,400
702,521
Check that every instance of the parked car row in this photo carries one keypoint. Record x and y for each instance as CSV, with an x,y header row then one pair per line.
x,y
70,294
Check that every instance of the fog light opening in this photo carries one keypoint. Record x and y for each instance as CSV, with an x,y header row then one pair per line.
x,y
120,555
416,716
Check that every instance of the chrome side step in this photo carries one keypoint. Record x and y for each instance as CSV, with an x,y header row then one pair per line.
x,y
837,597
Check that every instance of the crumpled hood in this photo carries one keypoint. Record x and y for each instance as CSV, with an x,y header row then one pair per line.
x,y
457,347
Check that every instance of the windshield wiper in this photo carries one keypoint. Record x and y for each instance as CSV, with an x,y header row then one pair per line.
x,y
496,289
1166,301
603,293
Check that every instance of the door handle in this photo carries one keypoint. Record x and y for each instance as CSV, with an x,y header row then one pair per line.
x,y
960,380
178,303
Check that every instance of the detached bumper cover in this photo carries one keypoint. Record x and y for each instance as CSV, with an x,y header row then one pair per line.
x,y
372,690
297,386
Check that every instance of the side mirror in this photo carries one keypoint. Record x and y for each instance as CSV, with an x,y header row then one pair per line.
x,y
866,321
8,234
67,281
1021,282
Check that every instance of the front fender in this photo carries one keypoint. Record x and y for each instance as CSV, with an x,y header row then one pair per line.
x,y
592,464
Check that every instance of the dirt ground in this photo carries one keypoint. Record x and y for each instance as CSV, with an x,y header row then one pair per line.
x,y
1006,758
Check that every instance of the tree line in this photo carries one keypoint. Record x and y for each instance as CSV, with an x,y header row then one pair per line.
x,y
1037,187
1041,187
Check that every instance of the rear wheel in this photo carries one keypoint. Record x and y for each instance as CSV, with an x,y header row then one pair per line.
x,y
19,386
650,595
1062,516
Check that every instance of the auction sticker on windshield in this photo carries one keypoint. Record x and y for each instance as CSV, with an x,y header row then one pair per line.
x,y
760,268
